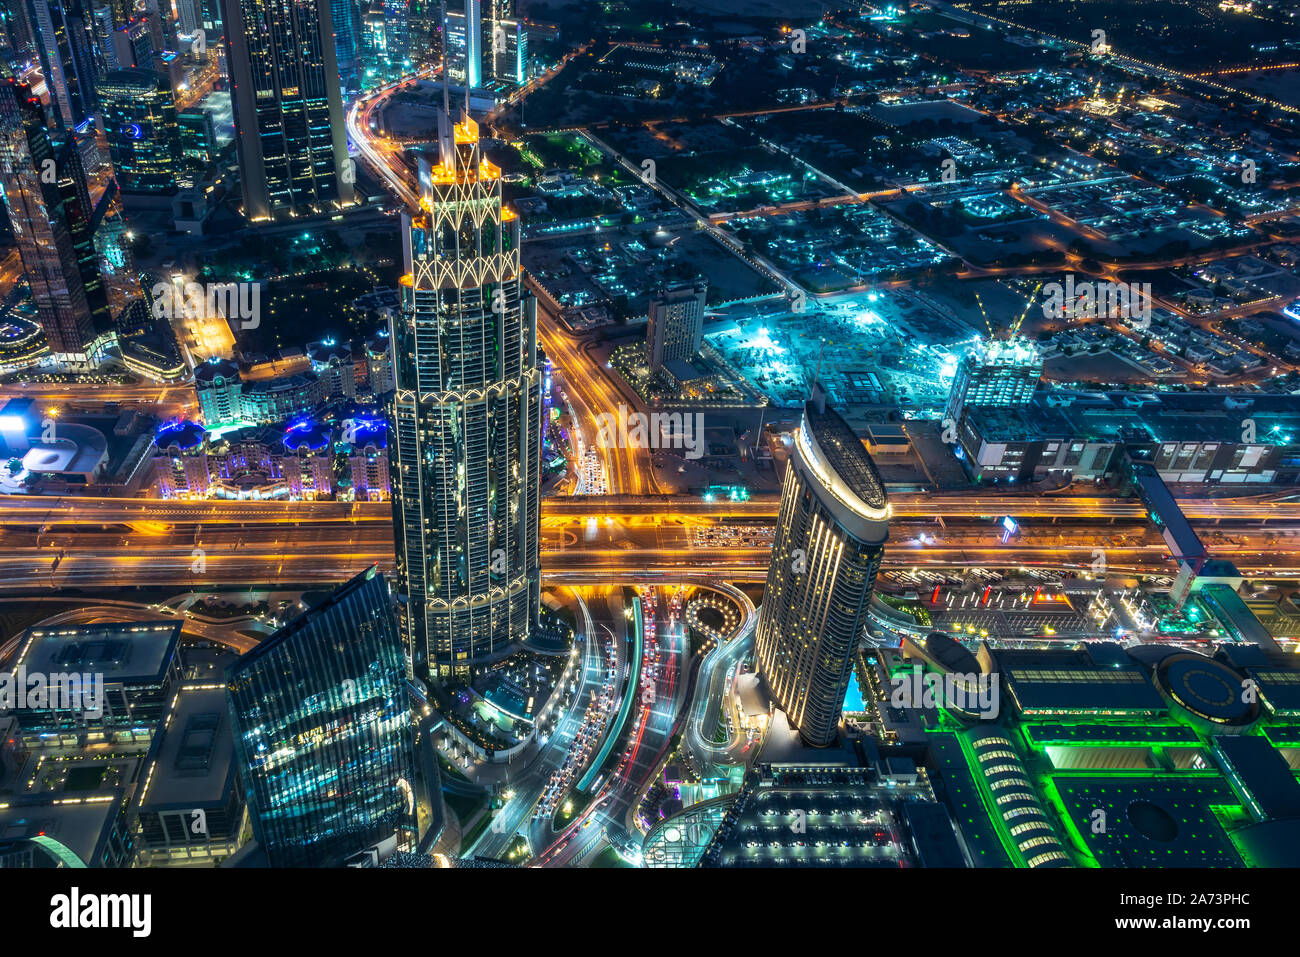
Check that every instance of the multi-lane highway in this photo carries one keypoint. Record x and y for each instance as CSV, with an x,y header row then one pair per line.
x,y
662,695
49,543
79,510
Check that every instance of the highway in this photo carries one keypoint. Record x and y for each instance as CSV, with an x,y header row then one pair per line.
x,y
662,696
716,680
123,543
80,510
527,785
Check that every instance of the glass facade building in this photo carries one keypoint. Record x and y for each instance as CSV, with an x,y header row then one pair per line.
x,y
79,214
347,39
29,184
830,538
284,81
67,62
464,37
324,735
142,131
465,418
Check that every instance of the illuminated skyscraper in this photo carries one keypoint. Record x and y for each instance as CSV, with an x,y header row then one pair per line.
x,y
189,13
995,374
463,30
465,418
101,29
143,135
424,20
288,109
29,179
506,42
830,537
16,30
675,329
324,734
79,215
65,44
347,38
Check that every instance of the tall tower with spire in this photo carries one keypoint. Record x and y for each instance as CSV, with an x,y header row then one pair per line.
x,y
465,418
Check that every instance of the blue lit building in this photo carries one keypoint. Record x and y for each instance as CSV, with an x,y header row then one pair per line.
x,y
143,136
324,735
347,39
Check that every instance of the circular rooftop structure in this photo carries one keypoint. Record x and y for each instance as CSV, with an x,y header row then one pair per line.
x,y
306,434
216,372
329,350
180,434
1206,690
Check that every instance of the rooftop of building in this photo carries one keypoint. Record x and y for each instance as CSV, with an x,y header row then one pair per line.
x,y
329,350
120,651
80,824
191,763
1154,416
846,456
208,373
1257,767
285,633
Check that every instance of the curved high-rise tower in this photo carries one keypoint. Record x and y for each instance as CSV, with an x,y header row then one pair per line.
x,y
466,418
830,537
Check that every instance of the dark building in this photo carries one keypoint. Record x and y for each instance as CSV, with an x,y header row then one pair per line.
x,y
284,86
324,735
143,136
675,326
79,215
64,43
29,177
830,537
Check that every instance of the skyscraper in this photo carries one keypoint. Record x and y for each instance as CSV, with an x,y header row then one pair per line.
x,y
133,45
142,132
995,374
189,15
102,29
79,215
675,329
465,418
509,59
506,43
65,46
347,39
424,21
16,29
324,735
288,110
29,182
463,30
830,537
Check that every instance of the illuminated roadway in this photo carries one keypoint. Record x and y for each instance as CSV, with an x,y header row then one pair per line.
x,y
80,510
606,819
132,542
716,680
528,785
